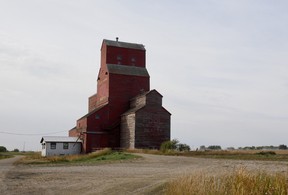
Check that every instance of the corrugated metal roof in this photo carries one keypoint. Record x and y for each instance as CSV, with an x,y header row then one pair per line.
x,y
124,44
127,70
59,139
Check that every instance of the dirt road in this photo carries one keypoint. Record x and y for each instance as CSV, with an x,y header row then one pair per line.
x,y
141,176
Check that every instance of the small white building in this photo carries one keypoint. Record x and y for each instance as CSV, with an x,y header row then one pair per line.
x,y
60,145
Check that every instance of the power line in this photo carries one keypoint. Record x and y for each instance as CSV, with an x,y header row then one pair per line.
x,y
30,134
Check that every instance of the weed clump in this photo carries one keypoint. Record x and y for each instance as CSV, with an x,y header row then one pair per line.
x,y
266,153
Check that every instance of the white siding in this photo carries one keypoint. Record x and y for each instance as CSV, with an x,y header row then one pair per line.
x,y
43,151
73,148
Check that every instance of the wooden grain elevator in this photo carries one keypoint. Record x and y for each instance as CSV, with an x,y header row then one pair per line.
x,y
124,112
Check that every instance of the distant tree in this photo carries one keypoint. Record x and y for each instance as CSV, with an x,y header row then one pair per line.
x,y
174,144
183,147
3,149
259,148
282,147
230,148
214,147
202,147
249,148
16,150
169,145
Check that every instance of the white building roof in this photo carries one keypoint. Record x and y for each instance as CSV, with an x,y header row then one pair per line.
x,y
59,139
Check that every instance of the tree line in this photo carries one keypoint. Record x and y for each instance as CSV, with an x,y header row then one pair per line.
x,y
217,147
4,149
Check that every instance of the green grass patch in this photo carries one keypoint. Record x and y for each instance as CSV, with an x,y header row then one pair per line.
x,y
5,155
113,156
105,155
239,182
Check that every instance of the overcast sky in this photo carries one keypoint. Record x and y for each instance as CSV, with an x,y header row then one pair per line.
x,y
221,65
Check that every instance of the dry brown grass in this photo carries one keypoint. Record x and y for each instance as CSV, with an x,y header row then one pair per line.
x,y
240,182
144,151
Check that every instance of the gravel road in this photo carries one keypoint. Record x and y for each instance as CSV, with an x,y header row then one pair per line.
x,y
142,176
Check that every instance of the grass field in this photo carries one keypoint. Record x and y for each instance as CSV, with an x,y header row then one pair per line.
x,y
35,157
275,155
106,155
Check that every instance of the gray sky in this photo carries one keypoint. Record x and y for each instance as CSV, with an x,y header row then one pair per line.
x,y
220,65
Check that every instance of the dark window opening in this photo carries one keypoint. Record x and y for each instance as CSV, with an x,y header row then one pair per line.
x,y
119,57
133,60
53,145
65,146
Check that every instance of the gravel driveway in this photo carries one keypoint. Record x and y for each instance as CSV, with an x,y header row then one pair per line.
x,y
142,176
5,166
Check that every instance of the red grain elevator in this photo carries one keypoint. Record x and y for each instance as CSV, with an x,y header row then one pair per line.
x,y
122,77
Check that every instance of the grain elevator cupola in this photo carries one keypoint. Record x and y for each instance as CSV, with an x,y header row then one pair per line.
x,y
123,112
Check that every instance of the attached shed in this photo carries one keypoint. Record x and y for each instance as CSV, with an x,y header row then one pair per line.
x,y
60,145
146,124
